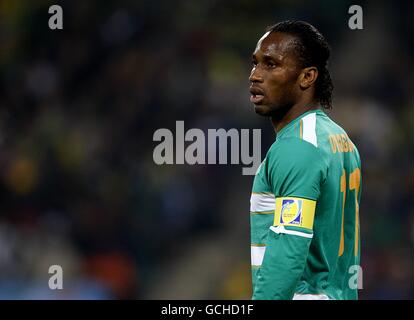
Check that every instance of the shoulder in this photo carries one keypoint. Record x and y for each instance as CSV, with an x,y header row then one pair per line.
x,y
295,167
293,149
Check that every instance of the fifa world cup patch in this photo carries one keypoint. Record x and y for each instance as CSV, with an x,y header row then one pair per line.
x,y
297,212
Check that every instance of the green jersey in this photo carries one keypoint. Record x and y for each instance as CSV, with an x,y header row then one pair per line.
x,y
304,213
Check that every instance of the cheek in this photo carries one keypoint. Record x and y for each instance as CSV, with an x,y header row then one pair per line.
x,y
277,87
280,93
282,83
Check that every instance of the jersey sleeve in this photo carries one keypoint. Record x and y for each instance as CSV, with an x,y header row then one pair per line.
x,y
295,171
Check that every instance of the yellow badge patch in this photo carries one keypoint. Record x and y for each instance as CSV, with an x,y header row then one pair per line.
x,y
297,212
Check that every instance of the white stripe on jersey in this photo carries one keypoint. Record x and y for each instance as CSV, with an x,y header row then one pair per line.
x,y
262,202
309,128
281,229
299,296
257,254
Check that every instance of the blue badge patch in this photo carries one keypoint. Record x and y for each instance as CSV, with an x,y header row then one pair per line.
x,y
291,212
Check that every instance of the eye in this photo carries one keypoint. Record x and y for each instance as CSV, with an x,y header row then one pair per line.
x,y
254,63
271,64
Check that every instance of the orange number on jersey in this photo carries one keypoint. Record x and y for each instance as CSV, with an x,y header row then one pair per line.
x,y
343,190
354,184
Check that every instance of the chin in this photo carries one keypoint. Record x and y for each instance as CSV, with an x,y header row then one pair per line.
x,y
262,110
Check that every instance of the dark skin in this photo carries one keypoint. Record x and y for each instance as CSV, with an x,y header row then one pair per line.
x,y
280,88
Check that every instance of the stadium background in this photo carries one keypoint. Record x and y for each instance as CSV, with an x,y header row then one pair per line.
x,y
79,106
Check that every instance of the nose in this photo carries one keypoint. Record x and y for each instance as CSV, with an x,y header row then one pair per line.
x,y
255,75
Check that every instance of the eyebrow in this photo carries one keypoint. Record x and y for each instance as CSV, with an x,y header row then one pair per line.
x,y
267,57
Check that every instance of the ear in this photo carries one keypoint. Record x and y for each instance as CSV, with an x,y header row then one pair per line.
x,y
308,77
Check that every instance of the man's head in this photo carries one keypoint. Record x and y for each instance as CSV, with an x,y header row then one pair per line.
x,y
290,64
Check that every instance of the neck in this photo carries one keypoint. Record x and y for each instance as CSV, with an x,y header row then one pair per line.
x,y
280,120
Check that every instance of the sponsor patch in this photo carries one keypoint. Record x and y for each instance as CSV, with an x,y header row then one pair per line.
x,y
291,211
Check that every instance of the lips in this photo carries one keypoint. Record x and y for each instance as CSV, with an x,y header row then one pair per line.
x,y
256,98
257,95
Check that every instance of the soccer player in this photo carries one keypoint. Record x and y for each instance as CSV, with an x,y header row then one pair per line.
x,y
304,205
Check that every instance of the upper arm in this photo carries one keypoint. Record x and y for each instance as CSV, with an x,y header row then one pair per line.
x,y
296,172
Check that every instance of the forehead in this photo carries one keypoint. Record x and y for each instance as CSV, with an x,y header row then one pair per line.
x,y
275,44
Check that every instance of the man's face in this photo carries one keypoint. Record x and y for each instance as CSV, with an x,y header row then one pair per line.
x,y
274,76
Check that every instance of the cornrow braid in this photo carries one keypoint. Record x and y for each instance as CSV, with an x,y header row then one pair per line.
x,y
312,50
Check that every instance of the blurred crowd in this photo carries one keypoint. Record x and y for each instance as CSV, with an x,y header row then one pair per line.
x,y
78,109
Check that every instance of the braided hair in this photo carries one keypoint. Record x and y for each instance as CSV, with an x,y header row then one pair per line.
x,y
312,50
